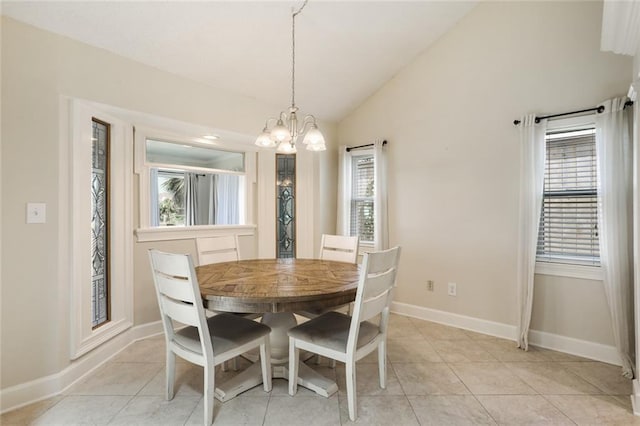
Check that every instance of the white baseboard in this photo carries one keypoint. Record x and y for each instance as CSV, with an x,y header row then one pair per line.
x,y
582,348
45,387
491,328
635,397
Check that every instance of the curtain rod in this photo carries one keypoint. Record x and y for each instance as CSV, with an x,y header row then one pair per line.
x,y
598,109
349,148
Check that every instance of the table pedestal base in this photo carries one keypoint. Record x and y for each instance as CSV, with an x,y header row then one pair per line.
x,y
251,377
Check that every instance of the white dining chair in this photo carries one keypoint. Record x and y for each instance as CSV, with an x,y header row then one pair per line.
x,y
350,338
220,249
339,248
203,341
217,249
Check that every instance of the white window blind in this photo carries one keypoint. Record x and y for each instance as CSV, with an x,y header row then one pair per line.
x,y
363,187
568,231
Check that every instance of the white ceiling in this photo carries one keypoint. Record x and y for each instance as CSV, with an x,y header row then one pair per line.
x,y
345,50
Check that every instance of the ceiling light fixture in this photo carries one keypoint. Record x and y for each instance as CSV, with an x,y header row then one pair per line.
x,y
285,133
211,137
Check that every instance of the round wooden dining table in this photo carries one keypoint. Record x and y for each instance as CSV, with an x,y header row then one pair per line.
x,y
276,289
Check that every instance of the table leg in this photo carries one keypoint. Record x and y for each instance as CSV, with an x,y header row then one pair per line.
x,y
280,323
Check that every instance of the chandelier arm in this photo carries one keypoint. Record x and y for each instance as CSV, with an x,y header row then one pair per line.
x,y
270,119
308,121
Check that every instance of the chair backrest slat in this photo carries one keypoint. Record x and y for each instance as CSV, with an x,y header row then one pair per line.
x,y
383,261
217,249
378,284
374,305
180,311
339,248
175,288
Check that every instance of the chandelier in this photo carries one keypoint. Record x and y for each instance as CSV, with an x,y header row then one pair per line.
x,y
285,133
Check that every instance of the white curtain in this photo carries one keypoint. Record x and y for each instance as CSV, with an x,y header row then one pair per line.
x,y
211,199
620,27
381,221
614,156
190,199
227,188
154,201
532,155
344,191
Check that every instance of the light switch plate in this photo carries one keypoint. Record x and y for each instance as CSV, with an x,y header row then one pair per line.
x,y
36,212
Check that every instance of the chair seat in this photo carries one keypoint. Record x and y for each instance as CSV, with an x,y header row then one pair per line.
x,y
331,330
227,332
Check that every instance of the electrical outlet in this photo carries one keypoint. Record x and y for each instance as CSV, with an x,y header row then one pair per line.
x,y
451,289
36,213
430,285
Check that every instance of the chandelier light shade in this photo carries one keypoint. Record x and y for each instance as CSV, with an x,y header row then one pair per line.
x,y
286,129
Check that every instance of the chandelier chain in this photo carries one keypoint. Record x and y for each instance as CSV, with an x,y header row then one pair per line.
x,y
293,54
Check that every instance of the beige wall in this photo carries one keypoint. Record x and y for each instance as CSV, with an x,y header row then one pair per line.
x,y
37,69
454,155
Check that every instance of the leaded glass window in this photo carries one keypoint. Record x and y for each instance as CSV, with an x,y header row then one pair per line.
x,y
286,207
100,223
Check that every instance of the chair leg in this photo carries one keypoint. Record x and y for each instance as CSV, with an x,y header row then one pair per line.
x,y
265,362
234,364
170,374
209,388
333,363
351,389
318,359
294,359
224,367
382,363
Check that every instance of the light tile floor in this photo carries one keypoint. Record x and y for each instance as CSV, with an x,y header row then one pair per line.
x,y
438,375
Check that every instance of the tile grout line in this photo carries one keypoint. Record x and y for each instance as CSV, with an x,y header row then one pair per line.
x,y
559,409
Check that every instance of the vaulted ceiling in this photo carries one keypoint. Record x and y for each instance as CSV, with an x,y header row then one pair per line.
x,y
345,50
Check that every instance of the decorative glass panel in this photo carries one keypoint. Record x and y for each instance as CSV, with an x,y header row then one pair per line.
x,y
286,207
99,224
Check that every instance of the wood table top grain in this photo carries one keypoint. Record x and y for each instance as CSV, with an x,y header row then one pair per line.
x,y
277,285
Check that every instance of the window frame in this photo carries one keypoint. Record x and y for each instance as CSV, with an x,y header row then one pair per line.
x,y
146,232
84,337
571,269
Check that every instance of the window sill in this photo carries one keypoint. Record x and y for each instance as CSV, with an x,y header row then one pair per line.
x,y
170,233
569,270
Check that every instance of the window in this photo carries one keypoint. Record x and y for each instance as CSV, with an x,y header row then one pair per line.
x,y
362,196
568,231
100,229
286,205
194,185
170,189
99,226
